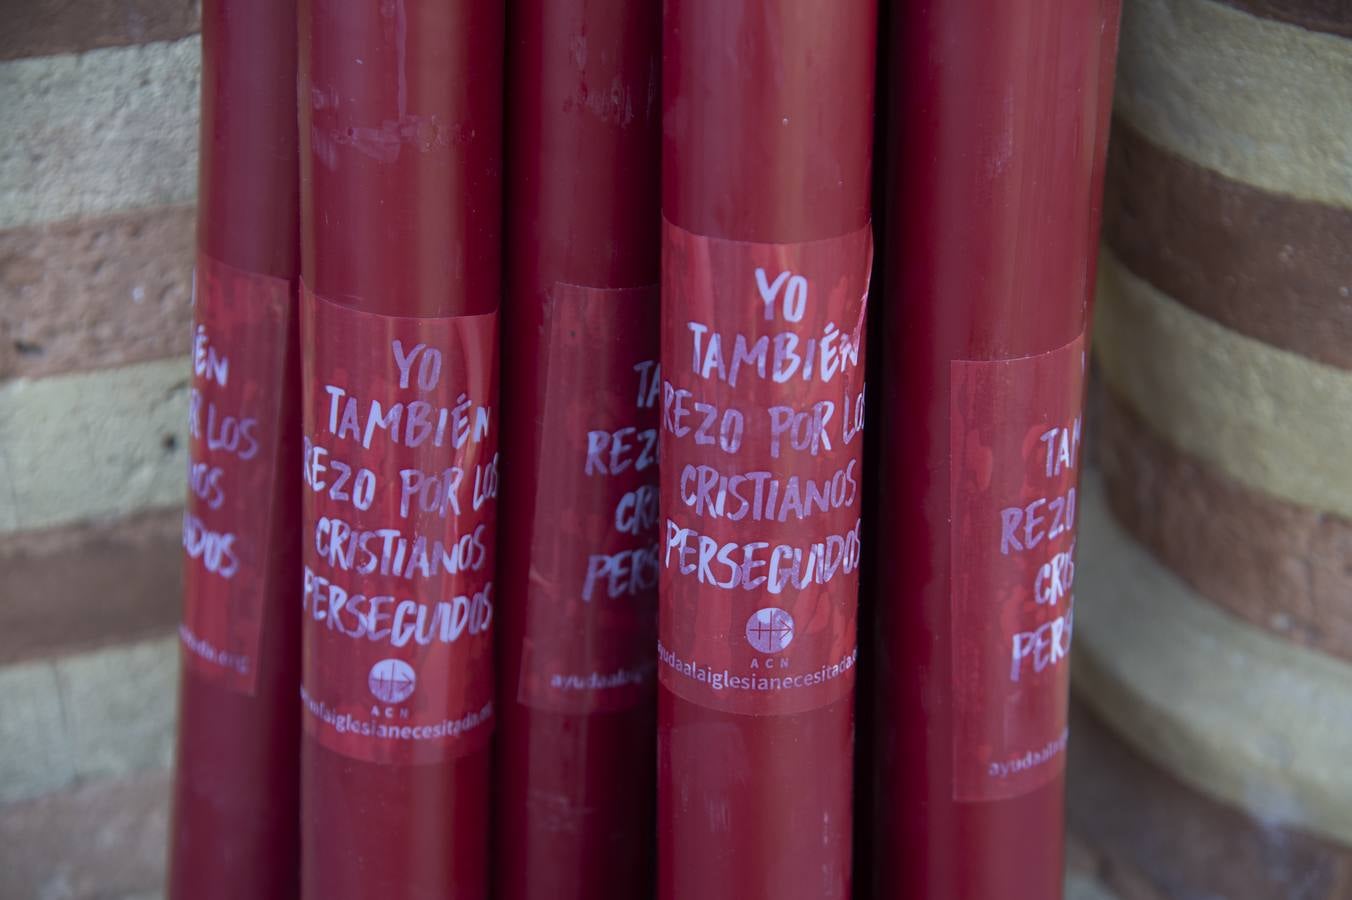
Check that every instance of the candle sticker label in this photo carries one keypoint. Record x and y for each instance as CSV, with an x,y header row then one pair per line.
x,y
400,487
592,614
241,326
1015,451
762,445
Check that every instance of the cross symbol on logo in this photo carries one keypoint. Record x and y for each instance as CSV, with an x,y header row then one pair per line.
x,y
769,630
392,680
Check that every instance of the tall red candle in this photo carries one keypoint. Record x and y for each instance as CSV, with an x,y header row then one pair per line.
x,y
767,129
577,558
236,781
400,152
1107,62
995,150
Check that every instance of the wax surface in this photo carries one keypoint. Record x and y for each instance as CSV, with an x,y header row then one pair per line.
x,y
576,773
401,124
236,781
997,130
767,137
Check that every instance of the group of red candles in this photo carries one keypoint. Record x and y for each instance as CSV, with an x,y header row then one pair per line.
x,y
603,575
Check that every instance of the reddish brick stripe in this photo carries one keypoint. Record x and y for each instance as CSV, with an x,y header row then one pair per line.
x,y
104,838
74,589
1329,16
1273,268
1155,837
42,27
1278,565
92,294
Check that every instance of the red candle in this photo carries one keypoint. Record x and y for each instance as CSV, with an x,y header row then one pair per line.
x,y
767,127
1107,61
236,782
400,176
577,558
996,143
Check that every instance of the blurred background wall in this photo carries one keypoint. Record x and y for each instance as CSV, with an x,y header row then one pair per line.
x,y
1213,661
97,185
1214,635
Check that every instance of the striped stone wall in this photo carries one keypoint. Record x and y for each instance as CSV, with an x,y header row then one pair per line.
x,y
97,186
1215,622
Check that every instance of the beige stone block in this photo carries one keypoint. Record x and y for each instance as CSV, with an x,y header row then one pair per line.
x,y
35,756
93,444
1260,101
120,705
99,132
108,713
1271,419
